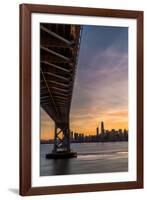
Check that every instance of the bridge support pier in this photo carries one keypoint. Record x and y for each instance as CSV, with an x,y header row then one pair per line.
x,y
61,143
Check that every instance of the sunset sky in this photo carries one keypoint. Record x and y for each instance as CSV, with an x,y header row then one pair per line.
x,y
101,83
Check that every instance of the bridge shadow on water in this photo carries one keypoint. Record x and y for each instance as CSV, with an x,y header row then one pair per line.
x,y
61,166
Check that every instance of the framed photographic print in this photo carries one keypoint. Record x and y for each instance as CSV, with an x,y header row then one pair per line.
x,y
81,99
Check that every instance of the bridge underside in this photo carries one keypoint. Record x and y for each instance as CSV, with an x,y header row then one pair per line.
x,y
59,46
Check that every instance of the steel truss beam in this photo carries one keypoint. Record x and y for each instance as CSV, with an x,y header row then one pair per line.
x,y
57,76
55,53
55,66
56,35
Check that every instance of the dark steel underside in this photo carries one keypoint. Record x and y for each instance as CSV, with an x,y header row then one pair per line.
x,y
59,47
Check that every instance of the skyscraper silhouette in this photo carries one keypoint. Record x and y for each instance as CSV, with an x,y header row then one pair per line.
x,y
102,127
97,131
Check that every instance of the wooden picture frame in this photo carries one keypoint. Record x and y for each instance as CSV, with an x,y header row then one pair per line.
x,y
25,99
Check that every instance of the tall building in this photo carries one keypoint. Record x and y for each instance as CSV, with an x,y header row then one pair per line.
x,y
102,127
97,131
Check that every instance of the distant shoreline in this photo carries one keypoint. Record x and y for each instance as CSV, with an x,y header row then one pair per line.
x,y
46,142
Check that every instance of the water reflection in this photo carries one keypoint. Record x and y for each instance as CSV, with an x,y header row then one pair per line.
x,y
61,166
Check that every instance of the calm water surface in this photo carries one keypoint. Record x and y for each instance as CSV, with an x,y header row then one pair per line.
x,y
92,158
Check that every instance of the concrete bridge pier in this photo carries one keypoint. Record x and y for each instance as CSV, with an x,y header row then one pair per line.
x,y
61,143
